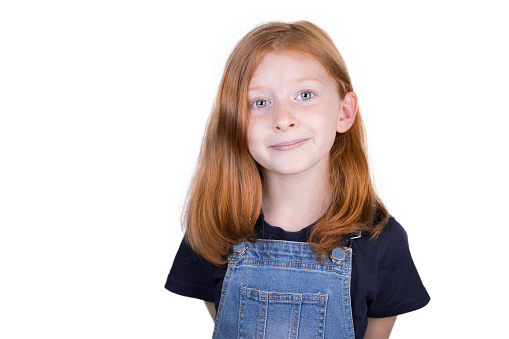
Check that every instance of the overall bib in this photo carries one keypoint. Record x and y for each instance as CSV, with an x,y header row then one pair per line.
x,y
277,289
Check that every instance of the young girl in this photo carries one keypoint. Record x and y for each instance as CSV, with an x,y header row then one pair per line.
x,y
284,231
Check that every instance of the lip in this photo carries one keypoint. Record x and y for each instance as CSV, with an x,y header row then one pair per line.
x,y
288,145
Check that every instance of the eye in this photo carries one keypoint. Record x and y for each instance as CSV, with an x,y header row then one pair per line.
x,y
260,103
306,95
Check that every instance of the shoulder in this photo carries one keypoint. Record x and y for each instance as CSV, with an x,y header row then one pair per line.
x,y
394,230
384,281
399,288
395,249
193,276
393,235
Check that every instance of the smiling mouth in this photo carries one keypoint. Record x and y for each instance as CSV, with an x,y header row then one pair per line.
x,y
288,145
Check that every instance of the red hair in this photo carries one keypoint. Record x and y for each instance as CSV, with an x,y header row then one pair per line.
x,y
225,197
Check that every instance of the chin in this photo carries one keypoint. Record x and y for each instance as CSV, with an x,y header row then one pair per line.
x,y
289,169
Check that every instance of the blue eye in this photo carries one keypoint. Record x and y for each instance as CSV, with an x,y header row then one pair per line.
x,y
260,103
306,95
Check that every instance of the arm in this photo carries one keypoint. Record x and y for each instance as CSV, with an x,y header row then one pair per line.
x,y
212,309
379,328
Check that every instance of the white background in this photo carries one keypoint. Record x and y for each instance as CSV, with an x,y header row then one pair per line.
x,y
103,106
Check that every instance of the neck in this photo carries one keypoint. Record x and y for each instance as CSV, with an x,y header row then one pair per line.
x,y
293,202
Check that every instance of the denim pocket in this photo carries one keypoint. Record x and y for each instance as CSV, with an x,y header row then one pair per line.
x,y
266,314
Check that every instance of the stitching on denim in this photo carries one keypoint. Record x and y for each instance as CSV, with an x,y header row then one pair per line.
x,y
322,309
286,261
291,243
276,296
347,307
223,297
265,314
261,308
265,294
295,318
242,312
292,336
259,319
297,300
265,317
347,271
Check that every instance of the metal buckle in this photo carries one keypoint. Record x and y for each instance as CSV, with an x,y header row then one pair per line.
x,y
349,245
357,235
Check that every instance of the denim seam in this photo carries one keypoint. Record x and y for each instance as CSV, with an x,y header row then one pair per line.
x,y
295,314
264,305
286,261
348,253
346,271
285,301
242,312
269,294
269,241
348,306
323,308
226,281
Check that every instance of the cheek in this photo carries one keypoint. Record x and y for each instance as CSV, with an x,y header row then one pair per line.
x,y
330,140
327,129
252,139
255,141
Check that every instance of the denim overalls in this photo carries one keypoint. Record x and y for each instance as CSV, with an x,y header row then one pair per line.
x,y
277,289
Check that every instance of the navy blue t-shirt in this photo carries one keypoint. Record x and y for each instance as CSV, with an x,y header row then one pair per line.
x,y
384,282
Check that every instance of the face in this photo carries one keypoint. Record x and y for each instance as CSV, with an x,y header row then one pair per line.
x,y
295,111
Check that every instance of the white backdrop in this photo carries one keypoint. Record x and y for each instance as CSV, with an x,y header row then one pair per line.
x,y
103,106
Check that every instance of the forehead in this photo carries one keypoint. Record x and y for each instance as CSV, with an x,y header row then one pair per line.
x,y
290,65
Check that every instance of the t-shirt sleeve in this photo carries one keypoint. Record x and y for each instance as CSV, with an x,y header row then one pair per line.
x,y
400,289
191,275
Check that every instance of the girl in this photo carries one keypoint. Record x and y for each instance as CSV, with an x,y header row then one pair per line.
x,y
284,231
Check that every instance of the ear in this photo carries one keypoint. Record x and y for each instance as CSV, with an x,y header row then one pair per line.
x,y
347,113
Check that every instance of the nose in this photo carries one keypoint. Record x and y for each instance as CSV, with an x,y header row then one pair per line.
x,y
284,119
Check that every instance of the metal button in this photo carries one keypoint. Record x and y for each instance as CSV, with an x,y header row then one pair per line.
x,y
240,249
337,255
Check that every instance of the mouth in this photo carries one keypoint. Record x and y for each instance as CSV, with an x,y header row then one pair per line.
x,y
288,145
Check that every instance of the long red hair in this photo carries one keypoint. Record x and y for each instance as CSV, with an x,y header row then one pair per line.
x,y
225,197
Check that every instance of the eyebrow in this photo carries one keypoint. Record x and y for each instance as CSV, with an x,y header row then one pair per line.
x,y
308,79
296,80
255,88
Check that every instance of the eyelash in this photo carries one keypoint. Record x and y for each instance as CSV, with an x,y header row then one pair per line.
x,y
307,91
253,103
